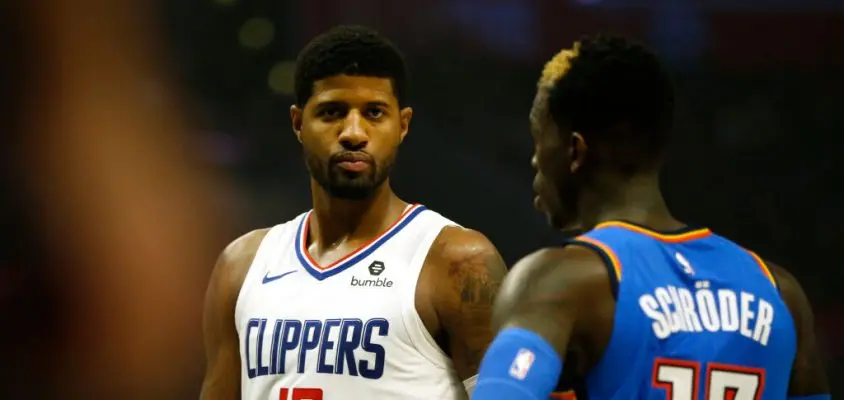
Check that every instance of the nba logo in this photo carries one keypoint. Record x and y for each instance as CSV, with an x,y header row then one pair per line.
x,y
684,264
521,364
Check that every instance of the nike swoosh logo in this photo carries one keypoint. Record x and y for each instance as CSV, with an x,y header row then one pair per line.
x,y
268,278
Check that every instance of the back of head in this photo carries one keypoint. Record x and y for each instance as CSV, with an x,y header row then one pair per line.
x,y
616,94
349,50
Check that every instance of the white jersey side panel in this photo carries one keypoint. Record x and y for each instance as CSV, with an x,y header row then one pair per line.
x,y
348,330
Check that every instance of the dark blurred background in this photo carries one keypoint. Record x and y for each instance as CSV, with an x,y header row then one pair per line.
x,y
759,86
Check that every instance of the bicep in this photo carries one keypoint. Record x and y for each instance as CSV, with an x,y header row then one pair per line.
x,y
535,315
536,296
808,376
222,373
470,325
464,305
547,317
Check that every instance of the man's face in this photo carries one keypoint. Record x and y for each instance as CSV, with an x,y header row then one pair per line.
x,y
555,185
350,130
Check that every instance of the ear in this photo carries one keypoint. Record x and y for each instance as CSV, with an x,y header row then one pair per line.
x,y
296,119
577,151
404,119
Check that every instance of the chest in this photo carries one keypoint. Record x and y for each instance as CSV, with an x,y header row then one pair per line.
x,y
368,286
343,319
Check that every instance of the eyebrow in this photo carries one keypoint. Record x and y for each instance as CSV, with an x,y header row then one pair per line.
x,y
327,103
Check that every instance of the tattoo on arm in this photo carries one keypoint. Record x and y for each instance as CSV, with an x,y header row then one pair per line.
x,y
477,277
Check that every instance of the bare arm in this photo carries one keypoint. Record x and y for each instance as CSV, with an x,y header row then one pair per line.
x,y
222,351
546,293
550,303
808,376
472,271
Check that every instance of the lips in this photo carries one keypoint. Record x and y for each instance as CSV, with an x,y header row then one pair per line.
x,y
352,161
352,156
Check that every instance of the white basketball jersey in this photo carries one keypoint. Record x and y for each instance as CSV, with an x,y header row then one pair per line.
x,y
348,330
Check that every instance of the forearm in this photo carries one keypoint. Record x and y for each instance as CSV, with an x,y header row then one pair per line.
x,y
518,364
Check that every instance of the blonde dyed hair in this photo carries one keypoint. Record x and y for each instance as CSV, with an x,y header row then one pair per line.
x,y
557,67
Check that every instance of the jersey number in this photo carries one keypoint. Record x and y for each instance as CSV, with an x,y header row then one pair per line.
x,y
681,380
300,394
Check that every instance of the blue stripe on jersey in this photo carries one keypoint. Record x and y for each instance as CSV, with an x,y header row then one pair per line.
x,y
356,256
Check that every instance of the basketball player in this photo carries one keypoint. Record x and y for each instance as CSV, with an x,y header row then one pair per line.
x,y
365,296
641,306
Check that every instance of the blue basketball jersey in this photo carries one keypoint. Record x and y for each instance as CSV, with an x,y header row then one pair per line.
x,y
697,317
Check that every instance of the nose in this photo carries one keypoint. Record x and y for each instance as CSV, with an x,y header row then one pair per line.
x,y
354,135
533,162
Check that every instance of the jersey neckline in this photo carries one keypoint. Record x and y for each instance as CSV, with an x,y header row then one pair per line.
x,y
684,234
322,272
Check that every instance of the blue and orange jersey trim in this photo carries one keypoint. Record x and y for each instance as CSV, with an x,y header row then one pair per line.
x,y
684,235
612,259
765,269
322,272
608,254
567,395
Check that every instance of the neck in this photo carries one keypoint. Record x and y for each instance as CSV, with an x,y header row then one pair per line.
x,y
637,199
335,220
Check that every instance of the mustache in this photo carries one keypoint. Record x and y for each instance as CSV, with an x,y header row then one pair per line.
x,y
353,156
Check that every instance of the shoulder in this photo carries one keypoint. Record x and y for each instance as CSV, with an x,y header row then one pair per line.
x,y
233,263
795,299
808,376
236,258
244,247
572,258
462,264
791,291
554,278
459,254
224,286
787,283
460,246
558,268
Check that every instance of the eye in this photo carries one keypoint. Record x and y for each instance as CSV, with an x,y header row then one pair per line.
x,y
374,112
331,112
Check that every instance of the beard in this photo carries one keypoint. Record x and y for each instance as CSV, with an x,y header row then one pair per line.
x,y
348,185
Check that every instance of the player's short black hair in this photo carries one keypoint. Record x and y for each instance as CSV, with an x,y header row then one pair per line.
x,y
350,50
606,82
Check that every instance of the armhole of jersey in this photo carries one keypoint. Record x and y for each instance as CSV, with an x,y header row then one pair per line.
x,y
766,270
253,270
416,330
607,255
470,383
